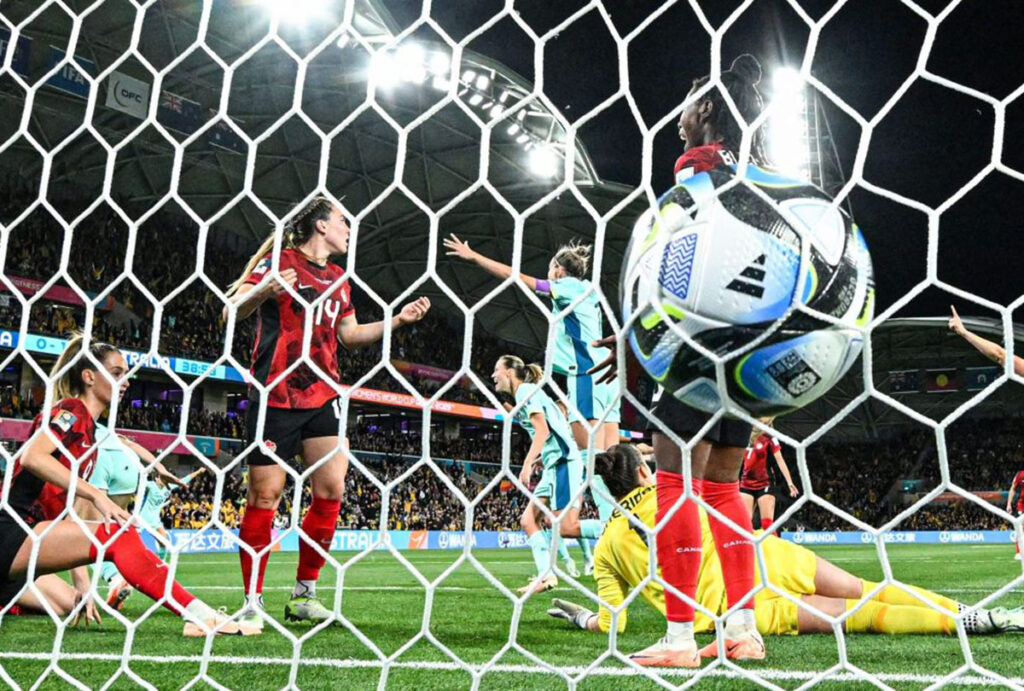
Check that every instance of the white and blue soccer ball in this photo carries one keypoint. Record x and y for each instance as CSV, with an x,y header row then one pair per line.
x,y
727,267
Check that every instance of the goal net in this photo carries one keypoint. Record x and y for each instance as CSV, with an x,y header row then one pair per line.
x,y
148,148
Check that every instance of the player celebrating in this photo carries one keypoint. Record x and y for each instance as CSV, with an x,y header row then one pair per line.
x,y
575,351
158,491
303,410
621,565
1015,502
713,138
755,482
551,446
991,350
44,473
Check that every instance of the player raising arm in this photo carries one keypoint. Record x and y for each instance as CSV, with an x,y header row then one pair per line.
x,y
303,410
43,475
621,564
992,351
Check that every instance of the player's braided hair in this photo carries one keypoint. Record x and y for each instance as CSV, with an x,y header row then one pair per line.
x,y
740,80
618,468
574,258
70,383
297,232
531,373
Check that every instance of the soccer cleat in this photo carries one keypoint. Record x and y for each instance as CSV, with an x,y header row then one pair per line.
x,y
748,645
306,608
250,623
117,593
665,653
539,585
1007,620
218,624
570,568
588,568
1017,557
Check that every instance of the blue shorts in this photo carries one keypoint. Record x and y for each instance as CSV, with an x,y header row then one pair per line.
x,y
560,484
592,399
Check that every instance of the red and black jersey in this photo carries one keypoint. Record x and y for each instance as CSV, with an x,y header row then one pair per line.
x,y
32,498
279,332
756,461
700,159
1017,493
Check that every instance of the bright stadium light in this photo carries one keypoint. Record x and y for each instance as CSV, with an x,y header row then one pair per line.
x,y
475,99
543,161
295,11
482,82
410,63
439,63
787,126
384,70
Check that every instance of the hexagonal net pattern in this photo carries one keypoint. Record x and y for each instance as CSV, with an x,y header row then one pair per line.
x,y
458,83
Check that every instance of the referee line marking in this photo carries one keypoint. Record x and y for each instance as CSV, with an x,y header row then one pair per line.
x,y
773,674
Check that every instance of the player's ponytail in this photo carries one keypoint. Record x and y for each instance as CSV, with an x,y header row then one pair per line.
x,y
740,80
574,258
618,468
755,432
530,374
298,231
69,384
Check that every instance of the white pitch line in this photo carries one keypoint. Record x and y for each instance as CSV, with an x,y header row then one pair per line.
x,y
331,588
772,674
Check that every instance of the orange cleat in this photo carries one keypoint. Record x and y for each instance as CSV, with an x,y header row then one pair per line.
x,y
747,646
667,654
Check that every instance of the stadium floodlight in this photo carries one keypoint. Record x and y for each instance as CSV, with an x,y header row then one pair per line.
x,y
295,11
440,83
523,138
787,125
482,82
543,161
513,128
497,109
384,69
439,63
410,63
475,99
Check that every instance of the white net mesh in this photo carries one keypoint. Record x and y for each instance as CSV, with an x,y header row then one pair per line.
x,y
451,92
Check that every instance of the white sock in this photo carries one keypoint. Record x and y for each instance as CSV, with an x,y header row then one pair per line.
x,y
254,601
199,610
304,589
740,621
680,631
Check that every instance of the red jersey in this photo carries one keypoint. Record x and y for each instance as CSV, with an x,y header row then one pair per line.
x,y
700,159
755,462
32,498
280,329
1017,492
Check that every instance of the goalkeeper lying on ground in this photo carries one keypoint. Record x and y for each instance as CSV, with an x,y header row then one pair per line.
x,y
621,562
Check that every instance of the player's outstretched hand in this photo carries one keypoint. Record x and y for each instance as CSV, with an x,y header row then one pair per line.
x,y
110,511
414,311
606,370
955,324
92,614
167,476
458,248
793,491
571,612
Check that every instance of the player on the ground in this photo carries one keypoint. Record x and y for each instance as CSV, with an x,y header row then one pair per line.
x,y
755,482
993,351
621,564
574,351
302,410
117,471
1015,502
551,446
42,477
713,138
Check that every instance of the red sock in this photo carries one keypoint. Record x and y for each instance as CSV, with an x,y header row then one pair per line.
x,y
735,552
140,567
254,532
318,525
766,523
679,545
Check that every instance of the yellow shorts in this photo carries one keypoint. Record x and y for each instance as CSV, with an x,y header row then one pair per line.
x,y
791,568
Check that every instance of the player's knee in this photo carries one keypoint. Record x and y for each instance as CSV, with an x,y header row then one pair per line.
x,y
263,497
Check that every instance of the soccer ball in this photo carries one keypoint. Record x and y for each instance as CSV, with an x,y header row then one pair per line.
x,y
727,268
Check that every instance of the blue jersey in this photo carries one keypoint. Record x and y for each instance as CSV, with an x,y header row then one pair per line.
x,y
575,332
560,444
117,467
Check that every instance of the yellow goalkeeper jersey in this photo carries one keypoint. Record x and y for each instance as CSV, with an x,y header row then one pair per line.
x,y
622,561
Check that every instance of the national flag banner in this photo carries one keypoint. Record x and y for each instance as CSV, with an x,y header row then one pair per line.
x,y
904,381
942,380
978,378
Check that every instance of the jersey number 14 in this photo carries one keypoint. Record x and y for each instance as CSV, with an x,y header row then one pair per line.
x,y
329,309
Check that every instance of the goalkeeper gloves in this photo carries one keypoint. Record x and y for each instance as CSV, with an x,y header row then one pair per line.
x,y
579,616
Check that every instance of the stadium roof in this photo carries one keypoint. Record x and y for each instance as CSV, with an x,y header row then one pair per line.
x,y
443,154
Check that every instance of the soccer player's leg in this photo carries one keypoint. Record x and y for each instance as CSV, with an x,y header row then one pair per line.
x,y
749,497
766,507
266,483
531,522
65,546
565,503
591,528
320,445
679,555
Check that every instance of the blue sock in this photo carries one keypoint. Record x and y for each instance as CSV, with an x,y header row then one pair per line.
x,y
109,572
591,528
563,546
588,553
601,496
541,551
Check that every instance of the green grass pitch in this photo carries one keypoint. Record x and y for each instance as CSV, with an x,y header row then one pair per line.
x,y
387,604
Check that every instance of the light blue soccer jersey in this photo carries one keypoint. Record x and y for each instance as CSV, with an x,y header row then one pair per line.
x,y
153,503
117,467
560,443
574,333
